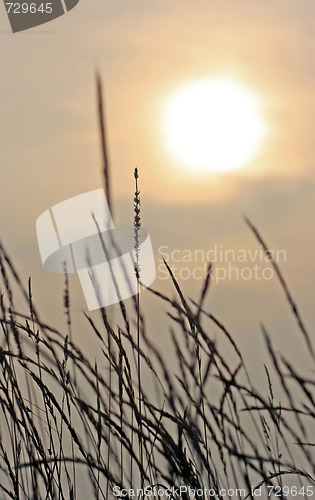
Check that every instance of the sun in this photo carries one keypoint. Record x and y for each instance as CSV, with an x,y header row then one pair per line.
x,y
213,125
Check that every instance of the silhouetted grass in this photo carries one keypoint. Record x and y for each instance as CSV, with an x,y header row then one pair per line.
x,y
212,429
66,422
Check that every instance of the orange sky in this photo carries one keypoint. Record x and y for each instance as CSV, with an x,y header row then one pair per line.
x,y
144,50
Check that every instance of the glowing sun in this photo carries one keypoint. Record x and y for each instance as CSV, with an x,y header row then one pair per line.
x,y
213,125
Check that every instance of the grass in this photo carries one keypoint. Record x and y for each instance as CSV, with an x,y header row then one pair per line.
x,y
68,424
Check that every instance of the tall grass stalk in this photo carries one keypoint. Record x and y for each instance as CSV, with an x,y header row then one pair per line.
x,y
106,176
137,226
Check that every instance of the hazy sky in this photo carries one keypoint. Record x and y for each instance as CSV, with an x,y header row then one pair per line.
x,y
144,50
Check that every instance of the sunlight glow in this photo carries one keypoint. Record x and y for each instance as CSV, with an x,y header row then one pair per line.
x,y
213,125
